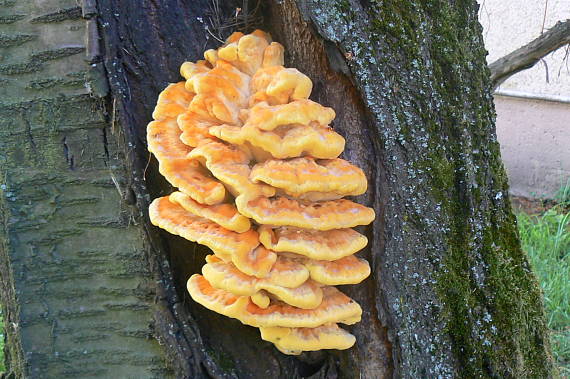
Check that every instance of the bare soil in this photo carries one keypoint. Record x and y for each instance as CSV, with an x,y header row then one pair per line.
x,y
533,206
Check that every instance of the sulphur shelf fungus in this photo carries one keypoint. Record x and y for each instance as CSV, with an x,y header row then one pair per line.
x,y
260,183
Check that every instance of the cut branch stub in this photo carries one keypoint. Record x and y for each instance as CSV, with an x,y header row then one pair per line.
x,y
527,56
260,183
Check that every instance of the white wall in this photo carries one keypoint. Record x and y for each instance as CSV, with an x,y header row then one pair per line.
x,y
509,24
534,133
535,144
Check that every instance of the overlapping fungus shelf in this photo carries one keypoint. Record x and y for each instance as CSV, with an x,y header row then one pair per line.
x,y
260,183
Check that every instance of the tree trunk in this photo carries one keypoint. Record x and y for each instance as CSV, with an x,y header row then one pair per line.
x,y
88,283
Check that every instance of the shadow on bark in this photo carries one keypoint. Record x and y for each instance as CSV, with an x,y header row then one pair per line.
x,y
144,45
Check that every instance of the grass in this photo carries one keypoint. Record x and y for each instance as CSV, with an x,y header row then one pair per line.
x,y
2,368
546,239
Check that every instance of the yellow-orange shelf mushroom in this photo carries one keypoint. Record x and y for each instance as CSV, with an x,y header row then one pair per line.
x,y
260,182
294,341
311,179
226,276
316,244
335,307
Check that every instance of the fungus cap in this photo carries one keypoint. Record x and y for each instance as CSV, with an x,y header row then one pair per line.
x,y
227,277
221,91
308,295
300,177
257,262
246,52
172,101
288,272
326,215
230,164
273,55
288,141
189,69
288,85
347,270
293,341
189,177
177,220
335,307
285,272
211,56
260,299
163,139
267,117
225,215
195,128
326,245
241,247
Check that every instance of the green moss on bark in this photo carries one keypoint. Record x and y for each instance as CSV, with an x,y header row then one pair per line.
x,y
425,80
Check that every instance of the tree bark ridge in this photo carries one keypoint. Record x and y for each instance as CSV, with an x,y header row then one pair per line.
x,y
309,53
75,284
448,268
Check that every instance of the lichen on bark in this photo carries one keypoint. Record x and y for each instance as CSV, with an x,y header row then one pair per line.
x,y
460,299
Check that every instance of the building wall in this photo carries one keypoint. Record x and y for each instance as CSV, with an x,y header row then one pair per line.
x,y
535,144
533,106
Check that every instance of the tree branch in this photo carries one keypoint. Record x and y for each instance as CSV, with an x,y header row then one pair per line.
x,y
527,56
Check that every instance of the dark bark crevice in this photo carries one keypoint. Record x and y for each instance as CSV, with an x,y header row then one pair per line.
x,y
142,80
142,49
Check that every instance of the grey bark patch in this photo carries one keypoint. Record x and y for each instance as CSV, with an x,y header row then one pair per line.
x,y
74,274
11,18
73,13
57,53
7,3
15,39
55,82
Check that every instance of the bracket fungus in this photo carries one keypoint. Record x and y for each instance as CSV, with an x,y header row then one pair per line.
x,y
260,183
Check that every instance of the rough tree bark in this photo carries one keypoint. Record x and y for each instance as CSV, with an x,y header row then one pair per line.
x,y
90,287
